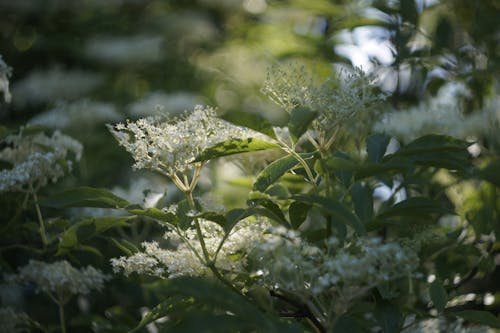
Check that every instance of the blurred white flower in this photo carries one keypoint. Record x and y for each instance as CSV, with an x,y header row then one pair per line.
x,y
5,72
82,113
116,50
43,86
158,103
12,321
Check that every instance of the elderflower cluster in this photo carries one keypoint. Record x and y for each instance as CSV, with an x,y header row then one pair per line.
x,y
5,73
12,321
335,100
82,113
36,160
169,146
42,86
287,262
185,257
61,278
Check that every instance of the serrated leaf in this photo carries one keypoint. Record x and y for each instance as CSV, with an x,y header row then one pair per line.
x,y
234,146
480,317
438,295
274,171
84,197
376,146
253,121
415,207
269,209
336,210
300,119
86,229
127,247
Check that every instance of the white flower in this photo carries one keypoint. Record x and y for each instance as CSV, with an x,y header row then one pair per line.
x,y
82,113
42,86
125,50
36,159
61,278
157,103
171,146
5,72
12,321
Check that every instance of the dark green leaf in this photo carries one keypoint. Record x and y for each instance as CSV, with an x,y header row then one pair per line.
x,y
298,213
416,207
300,119
438,294
336,210
234,146
480,317
388,317
362,198
376,145
84,197
490,172
251,120
127,247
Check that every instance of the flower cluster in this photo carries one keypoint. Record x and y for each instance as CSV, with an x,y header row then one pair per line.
x,y
37,159
185,257
5,72
443,325
61,278
169,146
80,113
287,262
443,114
12,321
335,100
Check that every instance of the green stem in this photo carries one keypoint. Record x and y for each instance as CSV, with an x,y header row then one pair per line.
x,y
304,165
61,317
40,218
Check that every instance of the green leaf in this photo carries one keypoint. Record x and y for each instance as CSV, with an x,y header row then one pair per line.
x,y
438,294
480,317
336,209
251,120
415,207
274,171
362,198
490,172
234,146
376,146
82,231
269,209
127,247
438,151
300,119
84,197
388,317
209,295
156,214
298,213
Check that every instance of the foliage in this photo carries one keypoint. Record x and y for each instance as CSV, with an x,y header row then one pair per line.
x,y
362,199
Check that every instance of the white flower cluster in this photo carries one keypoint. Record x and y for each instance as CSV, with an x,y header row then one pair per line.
x,y
37,159
12,321
125,50
82,113
286,262
158,102
335,101
61,278
169,146
42,86
5,72
442,114
185,258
